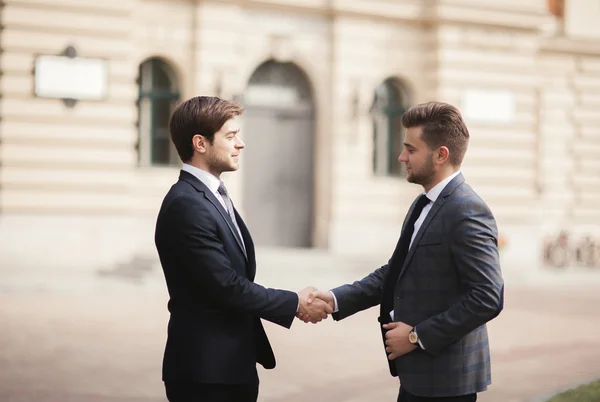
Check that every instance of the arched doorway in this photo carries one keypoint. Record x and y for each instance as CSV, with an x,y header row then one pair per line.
x,y
278,162
157,95
390,101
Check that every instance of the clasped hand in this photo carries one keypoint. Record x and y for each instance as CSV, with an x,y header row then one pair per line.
x,y
315,305
313,308
396,339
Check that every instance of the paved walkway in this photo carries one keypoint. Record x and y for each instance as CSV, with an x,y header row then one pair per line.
x,y
98,337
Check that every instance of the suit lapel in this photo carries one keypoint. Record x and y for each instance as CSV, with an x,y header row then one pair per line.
x,y
437,205
225,215
410,210
411,251
201,187
249,246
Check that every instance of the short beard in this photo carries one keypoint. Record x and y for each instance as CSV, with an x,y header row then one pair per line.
x,y
217,166
425,174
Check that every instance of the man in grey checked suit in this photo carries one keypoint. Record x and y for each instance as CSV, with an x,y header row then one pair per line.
x,y
443,282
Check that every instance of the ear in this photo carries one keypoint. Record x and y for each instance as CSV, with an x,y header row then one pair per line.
x,y
199,143
442,155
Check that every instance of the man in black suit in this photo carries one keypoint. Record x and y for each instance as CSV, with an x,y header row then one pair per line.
x,y
443,282
215,335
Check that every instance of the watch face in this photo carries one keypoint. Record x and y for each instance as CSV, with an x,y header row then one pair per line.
x,y
412,337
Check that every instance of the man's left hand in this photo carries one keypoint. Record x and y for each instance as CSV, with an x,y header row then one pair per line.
x,y
396,339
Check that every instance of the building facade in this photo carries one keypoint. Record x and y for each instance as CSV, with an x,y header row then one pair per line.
x,y
324,83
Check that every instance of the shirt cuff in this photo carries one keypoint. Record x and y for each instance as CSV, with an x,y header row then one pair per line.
x,y
419,340
335,305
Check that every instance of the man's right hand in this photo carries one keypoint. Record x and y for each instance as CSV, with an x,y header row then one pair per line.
x,y
318,298
312,307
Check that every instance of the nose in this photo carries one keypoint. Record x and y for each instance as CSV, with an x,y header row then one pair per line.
x,y
240,144
403,157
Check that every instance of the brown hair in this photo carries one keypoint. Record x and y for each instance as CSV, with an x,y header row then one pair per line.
x,y
203,115
443,125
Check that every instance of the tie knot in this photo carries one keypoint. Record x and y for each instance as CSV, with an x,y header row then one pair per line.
x,y
422,202
222,189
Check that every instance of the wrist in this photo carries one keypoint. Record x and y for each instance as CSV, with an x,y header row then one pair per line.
x,y
331,303
413,337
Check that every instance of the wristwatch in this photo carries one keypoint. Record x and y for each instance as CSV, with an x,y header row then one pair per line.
x,y
413,337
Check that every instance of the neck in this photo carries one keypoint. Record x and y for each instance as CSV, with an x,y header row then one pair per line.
x,y
439,177
202,165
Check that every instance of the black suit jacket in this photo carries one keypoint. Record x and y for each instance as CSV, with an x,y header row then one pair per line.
x,y
215,334
449,286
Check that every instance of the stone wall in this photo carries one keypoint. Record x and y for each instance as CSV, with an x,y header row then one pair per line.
x,y
72,194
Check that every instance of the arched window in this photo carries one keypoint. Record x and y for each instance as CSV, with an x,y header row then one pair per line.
x,y
158,94
389,103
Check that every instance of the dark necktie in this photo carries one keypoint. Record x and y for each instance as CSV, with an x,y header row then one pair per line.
x,y
225,195
387,301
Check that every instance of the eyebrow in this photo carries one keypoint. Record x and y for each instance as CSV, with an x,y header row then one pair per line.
x,y
233,131
407,145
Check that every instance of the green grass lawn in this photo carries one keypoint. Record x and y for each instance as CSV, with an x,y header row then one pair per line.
x,y
585,393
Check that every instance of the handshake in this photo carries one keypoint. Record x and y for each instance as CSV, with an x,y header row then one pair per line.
x,y
314,305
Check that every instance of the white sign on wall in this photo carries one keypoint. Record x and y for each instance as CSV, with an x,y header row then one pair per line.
x,y
65,77
488,106
581,19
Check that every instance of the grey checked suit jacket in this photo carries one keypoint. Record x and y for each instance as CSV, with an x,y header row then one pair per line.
x,y
449,287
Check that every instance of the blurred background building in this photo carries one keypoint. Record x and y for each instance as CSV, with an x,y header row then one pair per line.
x,y
87,88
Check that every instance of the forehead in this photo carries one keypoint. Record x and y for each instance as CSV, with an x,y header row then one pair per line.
x,y
231,125
413,136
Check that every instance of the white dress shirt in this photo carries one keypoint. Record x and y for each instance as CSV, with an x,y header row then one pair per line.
x,y
432,195
213,184
208,179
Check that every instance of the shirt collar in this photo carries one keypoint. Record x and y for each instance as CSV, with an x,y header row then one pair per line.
x,y
436,190
208,179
